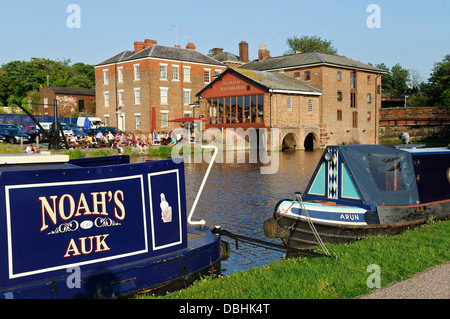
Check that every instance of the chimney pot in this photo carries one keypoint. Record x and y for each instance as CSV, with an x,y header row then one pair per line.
x,y
243,51
190,46
263,53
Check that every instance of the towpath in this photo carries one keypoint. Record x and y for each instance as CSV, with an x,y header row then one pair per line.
x,y
431,284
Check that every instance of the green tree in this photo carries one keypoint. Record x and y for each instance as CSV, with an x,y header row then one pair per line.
x,y
439,83
395,81
309,44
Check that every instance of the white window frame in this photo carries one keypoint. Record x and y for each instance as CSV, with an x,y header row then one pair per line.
x,y
105,77
163,71
186,96
137,117
177,73
120,74
121,97
186,74
107,120
45,103
164,95
207,75
369,98
137,75
137,96
166,114
106,99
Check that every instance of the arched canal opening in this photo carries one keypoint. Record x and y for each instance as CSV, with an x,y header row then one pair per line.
x,y
289,141
310,142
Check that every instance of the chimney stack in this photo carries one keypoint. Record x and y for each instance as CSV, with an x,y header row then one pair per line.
x,y
138,46
243,51
217,51
263,53
190,46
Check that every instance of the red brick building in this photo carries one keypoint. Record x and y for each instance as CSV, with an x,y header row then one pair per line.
x,y
141,90
240,98
350,101
70,101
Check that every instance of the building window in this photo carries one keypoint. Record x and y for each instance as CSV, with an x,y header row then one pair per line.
x,y
207,75
368,79
187,74
355,119
164,118
137,76
105,77
307,75
289,105
107,121
120,74
163,95
339,96
339,115
175,73
310,105
352,99
137,96
296,74
339,76
81,108
106,99
187,96
369,98
163,71
121,97
353,80
45,103
137,116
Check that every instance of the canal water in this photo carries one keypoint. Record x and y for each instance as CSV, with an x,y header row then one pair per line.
x,y
239,198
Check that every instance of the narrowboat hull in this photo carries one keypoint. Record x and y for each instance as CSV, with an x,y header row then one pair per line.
x,y
97,228
295,231
358,191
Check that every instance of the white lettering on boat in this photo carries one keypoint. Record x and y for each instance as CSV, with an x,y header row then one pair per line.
x,y
353,217
65,208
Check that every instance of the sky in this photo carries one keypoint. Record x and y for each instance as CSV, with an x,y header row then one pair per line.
x,y
414,33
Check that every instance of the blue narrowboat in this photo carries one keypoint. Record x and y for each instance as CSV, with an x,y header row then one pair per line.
x,y
362,190
98,228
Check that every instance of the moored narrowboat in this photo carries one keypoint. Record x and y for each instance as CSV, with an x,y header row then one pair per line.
x,y
362,190
97,228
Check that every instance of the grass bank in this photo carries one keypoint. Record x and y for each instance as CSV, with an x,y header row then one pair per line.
x,y
399,257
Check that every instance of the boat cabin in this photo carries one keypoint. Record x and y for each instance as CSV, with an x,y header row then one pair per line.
x,y
375,175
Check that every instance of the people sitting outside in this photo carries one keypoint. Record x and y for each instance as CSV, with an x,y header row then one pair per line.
x,y
116,145
73,141
31,149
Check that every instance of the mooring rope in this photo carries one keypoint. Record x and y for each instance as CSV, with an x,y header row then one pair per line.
x,y
311,224
265,244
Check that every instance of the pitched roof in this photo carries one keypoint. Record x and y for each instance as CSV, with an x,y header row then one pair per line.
x,y
272,81
117,58
227,57
308,59
163,52
71,91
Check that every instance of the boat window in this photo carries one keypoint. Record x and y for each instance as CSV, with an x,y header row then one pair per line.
x,y
386,170
318,185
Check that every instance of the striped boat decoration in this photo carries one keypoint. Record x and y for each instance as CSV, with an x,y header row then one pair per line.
x,y
324,214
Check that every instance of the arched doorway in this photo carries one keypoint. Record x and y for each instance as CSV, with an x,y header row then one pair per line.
x,y
310,142
289,141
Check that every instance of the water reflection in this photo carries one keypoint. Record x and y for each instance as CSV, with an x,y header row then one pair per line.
x,y
239,198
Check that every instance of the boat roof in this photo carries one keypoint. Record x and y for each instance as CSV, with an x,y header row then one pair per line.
x,y
14,159
368,174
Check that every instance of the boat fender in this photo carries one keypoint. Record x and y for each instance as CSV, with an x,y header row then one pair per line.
x,y
273,230
225,250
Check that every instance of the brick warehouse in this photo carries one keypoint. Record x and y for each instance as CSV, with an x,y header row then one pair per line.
x,y
70,101
350,100
140,91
